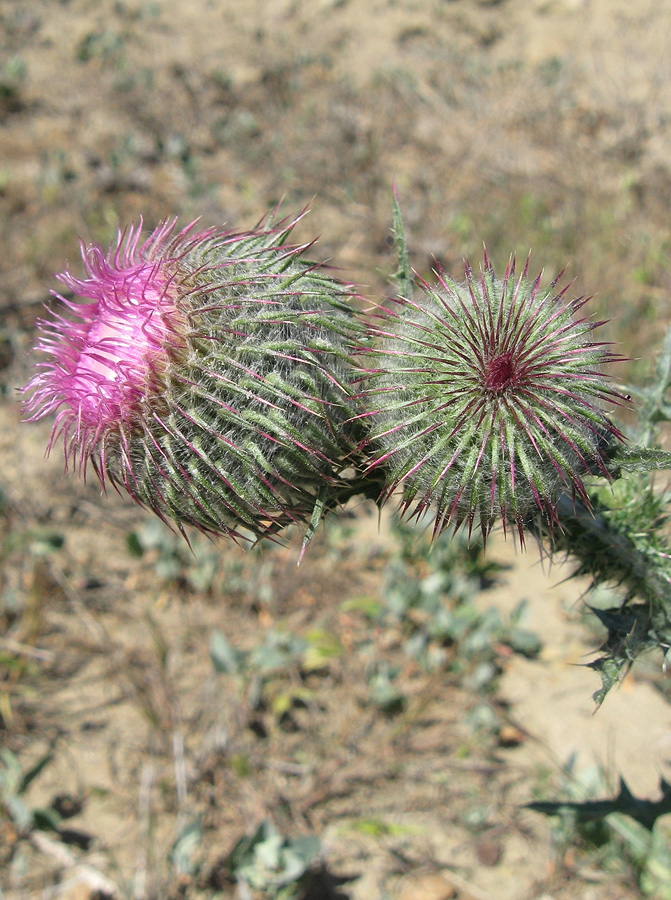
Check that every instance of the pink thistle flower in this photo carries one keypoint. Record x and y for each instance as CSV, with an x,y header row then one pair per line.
x,y
486,400
204,372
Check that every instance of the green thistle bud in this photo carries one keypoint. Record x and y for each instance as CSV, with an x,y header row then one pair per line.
x,y
486,398
206,373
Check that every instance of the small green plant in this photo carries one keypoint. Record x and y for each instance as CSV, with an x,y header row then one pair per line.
x,y
13,72
172,559
185,854
266,667
14,783
383,692
272,864
104,45
431,593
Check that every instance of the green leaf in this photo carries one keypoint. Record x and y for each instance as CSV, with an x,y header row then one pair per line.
x,y
315,519
655,878
133,545
622,540
383,693
655,408
286,700
609,669
10,773
377,828
224,656
306,848
242,854
278,651
639,459
269,862
19,812
403,275
525,642
240,764
323,646
367,606
371,827
32,773
184,850
43,543
45,818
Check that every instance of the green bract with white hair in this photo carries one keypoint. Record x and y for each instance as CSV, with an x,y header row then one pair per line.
x,y
486,399
206,372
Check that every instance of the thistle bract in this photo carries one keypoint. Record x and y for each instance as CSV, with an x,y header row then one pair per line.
x,y
206,372
486,399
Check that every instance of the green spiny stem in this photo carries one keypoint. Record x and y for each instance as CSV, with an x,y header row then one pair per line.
x,y
621,541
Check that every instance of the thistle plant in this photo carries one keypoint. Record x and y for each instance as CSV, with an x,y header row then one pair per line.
x,y
204,372
474,374
622,539
486,399
227,383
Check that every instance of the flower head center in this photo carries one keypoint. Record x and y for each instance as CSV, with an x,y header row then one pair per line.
x,y
107,357
500,373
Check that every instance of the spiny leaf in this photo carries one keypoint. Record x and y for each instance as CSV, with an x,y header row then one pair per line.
x,y
655,408
403,275
638,458
623,541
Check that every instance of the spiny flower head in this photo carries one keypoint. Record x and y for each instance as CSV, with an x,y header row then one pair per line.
x,y
206,372
486,399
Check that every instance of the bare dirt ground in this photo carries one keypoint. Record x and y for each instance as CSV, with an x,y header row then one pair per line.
x,y
520,123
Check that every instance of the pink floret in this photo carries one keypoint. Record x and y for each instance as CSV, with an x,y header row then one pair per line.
x,y
100,362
